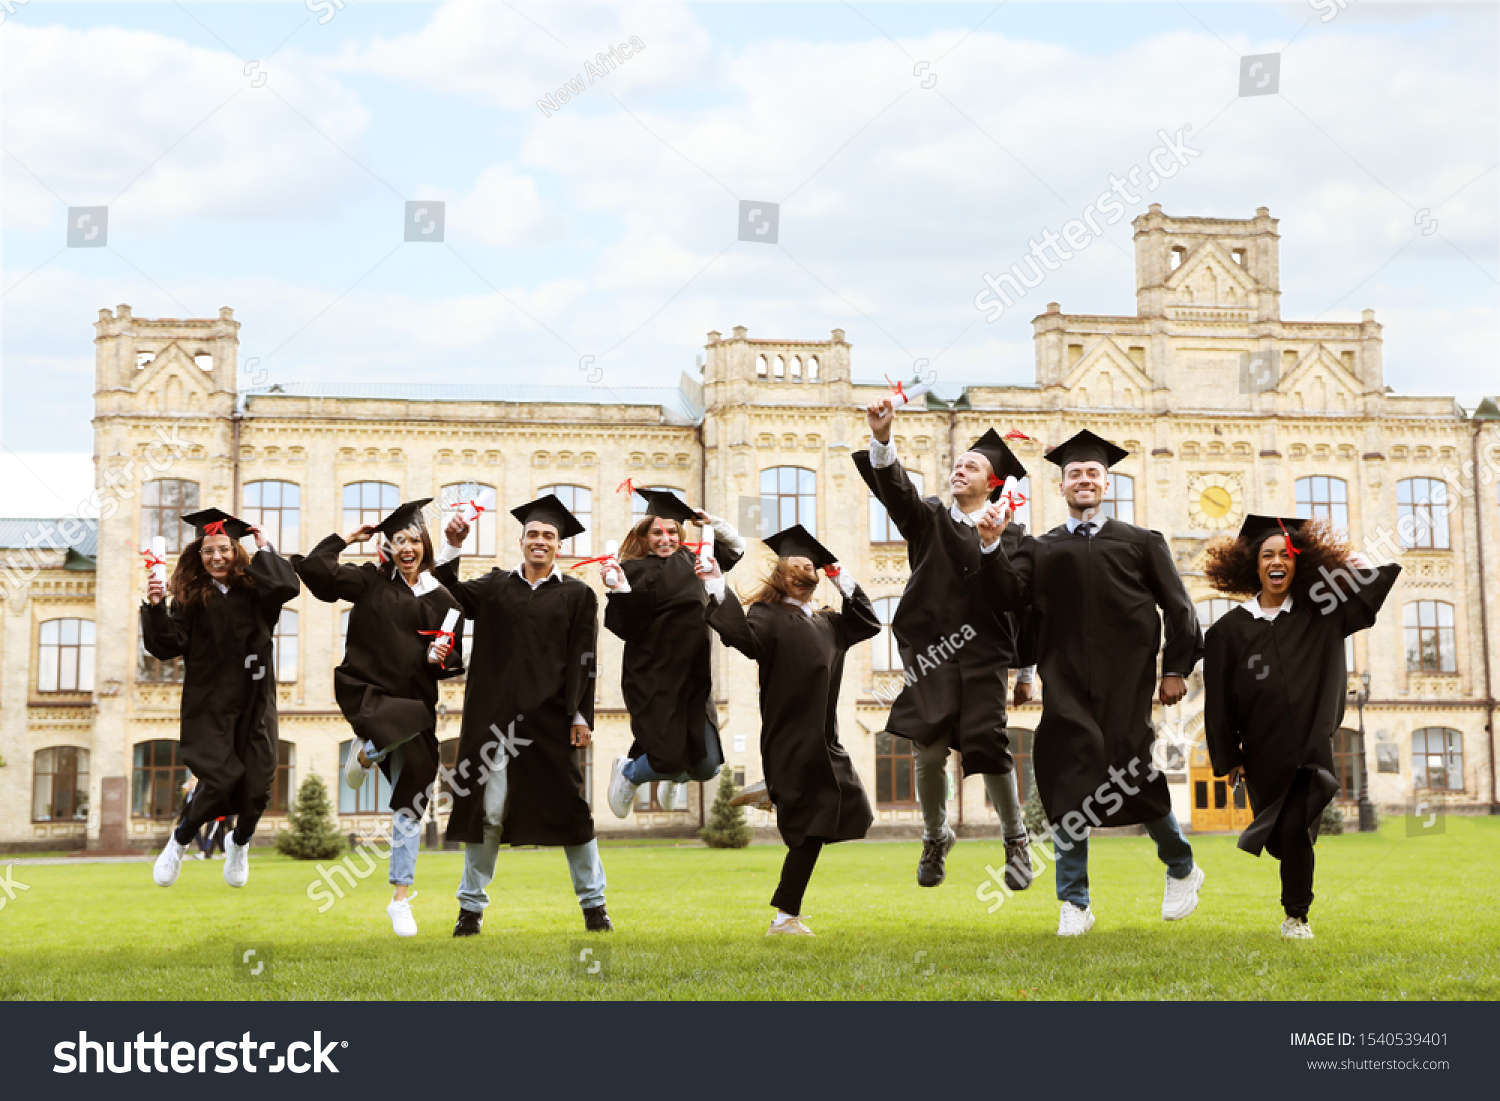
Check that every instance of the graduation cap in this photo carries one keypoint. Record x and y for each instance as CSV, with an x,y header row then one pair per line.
x,y
213,521
549,510
1002,461
666,505
405,516
1257,529
1086,447
797,541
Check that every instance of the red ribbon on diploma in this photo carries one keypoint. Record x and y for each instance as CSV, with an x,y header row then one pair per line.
x,y
1013,500
895,388
446,634
833,571
214,527
1293,551
152,560
475,505
587,561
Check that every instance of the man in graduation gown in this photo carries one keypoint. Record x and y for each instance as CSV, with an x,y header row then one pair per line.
x,y
956,650
528,712
224,609
1094,587
800,655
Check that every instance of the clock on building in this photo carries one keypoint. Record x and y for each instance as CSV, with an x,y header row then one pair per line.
x,y
1216,501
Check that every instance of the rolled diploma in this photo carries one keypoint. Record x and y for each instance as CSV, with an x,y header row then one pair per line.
x,y
706,551
450,623
485,501
611,548
159,550
909,396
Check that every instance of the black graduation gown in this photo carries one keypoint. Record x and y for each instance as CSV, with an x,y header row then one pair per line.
x,y
1274,696
665,675
385,685
533,666
1094,610
944,600
228,685
810,776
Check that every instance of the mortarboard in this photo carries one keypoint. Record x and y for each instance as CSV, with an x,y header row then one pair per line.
x,y
405,516
796,540
1002,461
666,505
1086,447
1257,529
549,510
213,521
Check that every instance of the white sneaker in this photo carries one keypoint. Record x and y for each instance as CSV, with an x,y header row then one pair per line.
x,y
621,791
355,773
402,922
784,925
674,796
200,856
757,795
236,862
1296,929
1181,896
169,863
1074,921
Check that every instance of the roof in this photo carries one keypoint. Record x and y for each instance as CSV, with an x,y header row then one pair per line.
x,y
674,401
44,533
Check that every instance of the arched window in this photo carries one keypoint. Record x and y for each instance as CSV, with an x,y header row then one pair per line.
x,y
65,656
796,369
1422,513
812,368
1323,498
1119,499
481,537
638,503
156,781
1437,759
284,784
1349,763
277,508
778,369
884,655
1430,643
372,798
163,501
284,646
882,530
1212,609
580,502
760,366
789,494
60,784
895,771
368,503
150,670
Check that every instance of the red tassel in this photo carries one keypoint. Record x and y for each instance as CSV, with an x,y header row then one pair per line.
x,y
215,527
1291,550
1016,434
627,486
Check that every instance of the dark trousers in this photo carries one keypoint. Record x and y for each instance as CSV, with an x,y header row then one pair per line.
x,y
796,870
1292,846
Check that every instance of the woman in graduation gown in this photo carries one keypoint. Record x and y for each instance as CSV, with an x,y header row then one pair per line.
x,y
1275,681
225,604
811,781
387,684
656,608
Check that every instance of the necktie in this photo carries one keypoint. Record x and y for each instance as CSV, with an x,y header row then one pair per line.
x,y
1085,529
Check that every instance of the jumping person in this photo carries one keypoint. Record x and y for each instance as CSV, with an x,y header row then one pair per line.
x,y
528,709
1094,587
387,684
224,608
1275,680
956,651
655,605
811,781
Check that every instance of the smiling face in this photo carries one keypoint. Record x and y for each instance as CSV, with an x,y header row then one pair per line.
x,y
1084,484
970,480
802,576
217,552
1276,566
664,537
539,545
407,550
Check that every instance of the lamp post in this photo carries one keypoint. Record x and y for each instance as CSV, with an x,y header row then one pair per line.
x,y
1366,808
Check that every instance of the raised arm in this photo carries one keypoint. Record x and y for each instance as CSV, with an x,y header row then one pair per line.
x,y
857,620
326,577
1355,592
1183,646
276,580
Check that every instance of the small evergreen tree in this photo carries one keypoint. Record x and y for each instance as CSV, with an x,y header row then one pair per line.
x,y
727,828
313,834
1333,818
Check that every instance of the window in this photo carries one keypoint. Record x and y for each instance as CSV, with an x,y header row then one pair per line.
x,y
1348,755
1321,498
284,784
276,507
1119,499
344,631
65,657
368,503
60,784
372,798
1430,643
884,655
895,771
284,647
1212,609
580,502
150,670
881,528
156,784
789,495
647,798
638,503
481,538
1422,513
162,503
1437,759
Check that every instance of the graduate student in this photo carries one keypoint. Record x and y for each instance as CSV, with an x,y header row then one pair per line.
x,y
1094,588
528,710
655,605
387,684
225,604
955,645
1274,680
800,652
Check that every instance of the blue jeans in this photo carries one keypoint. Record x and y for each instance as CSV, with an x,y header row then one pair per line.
x,y
639,771
479,858
1172,849
406,831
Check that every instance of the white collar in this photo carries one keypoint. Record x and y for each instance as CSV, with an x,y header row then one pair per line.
x,y
556,572
426,583
1096,520
970,518
1253,607
223,588
803,606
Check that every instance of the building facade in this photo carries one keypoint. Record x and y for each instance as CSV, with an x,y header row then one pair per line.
x,y
1224,407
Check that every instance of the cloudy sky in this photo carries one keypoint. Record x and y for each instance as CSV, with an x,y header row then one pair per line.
x,y
260,156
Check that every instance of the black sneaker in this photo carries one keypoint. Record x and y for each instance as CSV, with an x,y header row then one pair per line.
x,y
930,869
596,919
1018,863
468,924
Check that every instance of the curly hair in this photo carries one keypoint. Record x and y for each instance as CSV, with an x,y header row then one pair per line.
x,y
191,583
778,585
637,544
1233,565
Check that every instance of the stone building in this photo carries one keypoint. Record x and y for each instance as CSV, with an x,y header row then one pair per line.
x,y
1224,407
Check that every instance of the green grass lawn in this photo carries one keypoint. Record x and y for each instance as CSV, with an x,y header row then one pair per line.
x,y
1396,917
